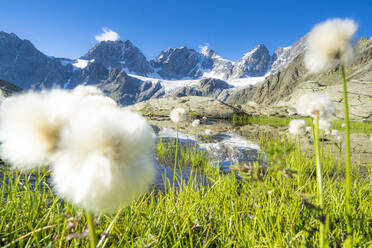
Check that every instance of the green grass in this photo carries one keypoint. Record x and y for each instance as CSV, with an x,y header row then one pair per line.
x,y
355,126
272,207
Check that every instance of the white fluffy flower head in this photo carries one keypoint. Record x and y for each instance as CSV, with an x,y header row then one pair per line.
x,y
208,132
315,103
29,130
325,125
330,43
105,159
297,127
195,123
178,114
334,132
87,90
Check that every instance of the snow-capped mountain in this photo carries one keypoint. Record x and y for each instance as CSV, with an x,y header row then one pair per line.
x,y
254,63
284,55
121,69
178,63
22,64
119,54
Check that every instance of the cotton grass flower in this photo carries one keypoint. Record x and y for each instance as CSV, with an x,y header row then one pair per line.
x,y
297,127
330,43
208,132
195,123
104,160
313,104
29,130
339,138
325,125
178,114
94,94
334,132
87,90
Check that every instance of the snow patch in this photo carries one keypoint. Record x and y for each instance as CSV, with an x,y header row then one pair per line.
x,y
82,63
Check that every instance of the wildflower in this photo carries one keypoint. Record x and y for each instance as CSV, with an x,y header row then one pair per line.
x,y
178,114
85,90
204,118
297,127
29,130
325,125
308,129
334,132
329,44
343,125
195,123
313,104
339,139
93,94
105,157
208,132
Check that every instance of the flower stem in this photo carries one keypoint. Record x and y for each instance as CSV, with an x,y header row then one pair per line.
x,y
176,156
319,178
92,230
348,160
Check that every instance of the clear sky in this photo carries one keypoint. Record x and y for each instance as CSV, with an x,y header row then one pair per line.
x,y
66,28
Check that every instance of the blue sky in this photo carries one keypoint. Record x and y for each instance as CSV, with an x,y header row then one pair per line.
x,y
67,28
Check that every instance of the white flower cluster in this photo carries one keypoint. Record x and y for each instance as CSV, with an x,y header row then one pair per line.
x,y
177,115
297,127
195,123
330,43
313,104
100,154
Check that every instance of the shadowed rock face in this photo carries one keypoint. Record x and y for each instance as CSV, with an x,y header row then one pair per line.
x,y
127,90
7,88
253,63
208,87
178,63
23,64
119,54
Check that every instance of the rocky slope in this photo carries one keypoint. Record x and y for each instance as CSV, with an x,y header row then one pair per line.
x,y
282,89
7,88
119,54
24,65
127,90
254,63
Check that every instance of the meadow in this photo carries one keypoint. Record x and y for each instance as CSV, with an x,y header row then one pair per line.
x,y
271,204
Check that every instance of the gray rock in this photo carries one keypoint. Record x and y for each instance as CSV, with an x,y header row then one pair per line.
x,y
25,66
254,63
127,90
178,63
119,54
207,87
7,88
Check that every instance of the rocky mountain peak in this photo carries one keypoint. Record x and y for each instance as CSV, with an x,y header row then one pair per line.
x,y
254,63
119,54
177,63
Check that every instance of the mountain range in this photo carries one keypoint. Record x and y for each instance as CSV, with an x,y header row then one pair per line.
x,y
123,72
258,83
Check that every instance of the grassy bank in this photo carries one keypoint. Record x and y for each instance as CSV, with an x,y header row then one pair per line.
x,y
356,126
275,207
